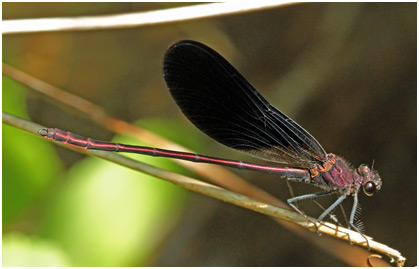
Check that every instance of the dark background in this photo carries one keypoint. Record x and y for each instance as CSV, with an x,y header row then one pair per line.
x,y
345,72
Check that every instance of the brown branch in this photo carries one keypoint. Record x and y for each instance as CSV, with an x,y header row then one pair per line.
x,y
221,194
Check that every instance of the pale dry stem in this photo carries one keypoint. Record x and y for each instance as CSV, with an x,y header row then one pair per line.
x,y
221,194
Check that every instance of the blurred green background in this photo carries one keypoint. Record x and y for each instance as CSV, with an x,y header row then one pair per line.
x,y
345,72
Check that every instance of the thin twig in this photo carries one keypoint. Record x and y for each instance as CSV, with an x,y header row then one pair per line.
x,y
219,193
134,19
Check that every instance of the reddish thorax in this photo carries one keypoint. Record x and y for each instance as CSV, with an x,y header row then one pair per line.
x,y
335,172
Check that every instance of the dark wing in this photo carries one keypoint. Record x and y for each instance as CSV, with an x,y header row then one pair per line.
x,y
221,103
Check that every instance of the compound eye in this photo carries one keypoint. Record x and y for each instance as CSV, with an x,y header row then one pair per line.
x,y
364,170
370,188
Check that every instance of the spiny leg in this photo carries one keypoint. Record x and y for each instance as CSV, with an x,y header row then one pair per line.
x,y
333,217
344,215
329,209
307,196
352,217
290,189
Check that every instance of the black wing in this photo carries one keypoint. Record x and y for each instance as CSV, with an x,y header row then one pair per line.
x,y
221,103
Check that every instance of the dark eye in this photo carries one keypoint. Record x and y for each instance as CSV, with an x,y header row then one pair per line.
x,y
370,188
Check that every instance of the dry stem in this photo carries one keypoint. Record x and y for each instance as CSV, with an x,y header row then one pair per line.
x,y
220,193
